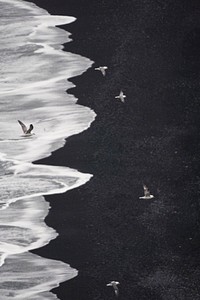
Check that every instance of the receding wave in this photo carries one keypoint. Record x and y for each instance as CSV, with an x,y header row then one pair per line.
x,y
33,89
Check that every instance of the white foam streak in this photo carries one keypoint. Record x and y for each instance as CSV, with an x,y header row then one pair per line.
x,y
46,180
25,230
25,7
32,277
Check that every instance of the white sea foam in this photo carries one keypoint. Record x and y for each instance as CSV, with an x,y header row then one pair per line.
x,y
27,276
34,73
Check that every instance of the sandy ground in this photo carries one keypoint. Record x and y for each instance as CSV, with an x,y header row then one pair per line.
x,y
105,231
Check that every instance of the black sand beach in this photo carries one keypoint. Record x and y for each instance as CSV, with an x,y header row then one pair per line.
x,y
151,247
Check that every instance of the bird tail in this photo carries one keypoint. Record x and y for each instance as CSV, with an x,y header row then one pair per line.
x,y
116,292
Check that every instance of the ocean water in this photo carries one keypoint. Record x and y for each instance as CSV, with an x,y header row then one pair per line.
x,y
34,80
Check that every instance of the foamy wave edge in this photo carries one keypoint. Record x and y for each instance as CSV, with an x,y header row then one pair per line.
x,y
22,170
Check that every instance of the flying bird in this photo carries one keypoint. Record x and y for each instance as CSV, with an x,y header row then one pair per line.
x,y
102,69
25,130
147,194
115,287
121,96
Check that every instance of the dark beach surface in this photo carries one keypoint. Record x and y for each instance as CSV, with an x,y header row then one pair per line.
x,y
152,49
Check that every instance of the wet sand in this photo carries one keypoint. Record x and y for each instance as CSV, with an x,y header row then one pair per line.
x,y
105,231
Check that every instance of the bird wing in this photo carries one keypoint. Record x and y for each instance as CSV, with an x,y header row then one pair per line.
x,y
109,284
97,69
121,94
30,128
24,128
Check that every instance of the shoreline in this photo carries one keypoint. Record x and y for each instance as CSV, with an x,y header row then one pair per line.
x,y
104,230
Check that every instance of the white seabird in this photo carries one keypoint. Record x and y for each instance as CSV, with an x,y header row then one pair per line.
x,y
121,96
147,194
115,287
102,69
26,131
